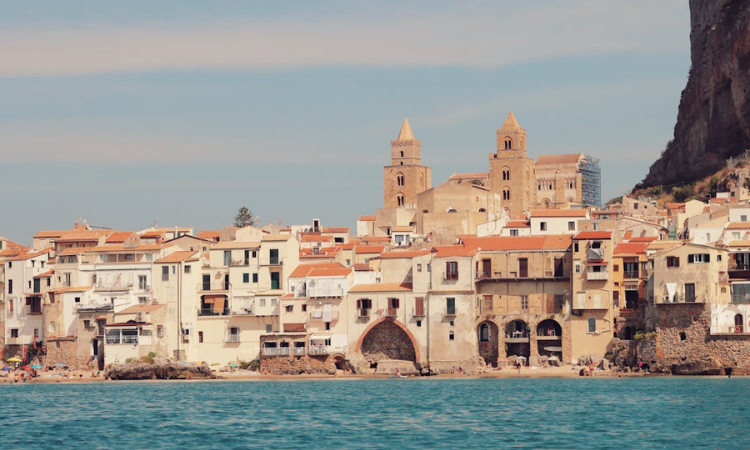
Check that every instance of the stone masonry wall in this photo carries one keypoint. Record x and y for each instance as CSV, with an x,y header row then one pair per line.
x,y
685,346
292,365
65,350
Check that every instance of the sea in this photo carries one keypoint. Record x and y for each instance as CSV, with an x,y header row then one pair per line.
x,y
394,413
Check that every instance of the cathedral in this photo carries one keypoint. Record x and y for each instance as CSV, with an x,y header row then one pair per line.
x,y
513,186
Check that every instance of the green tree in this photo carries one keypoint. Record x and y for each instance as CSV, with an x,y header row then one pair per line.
x,y
244,218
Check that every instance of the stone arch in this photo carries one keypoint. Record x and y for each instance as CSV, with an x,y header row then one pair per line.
x,y
626,333
506,173
506,193
546,203
400,199
517,338
739,323
549,335
508,142
391,327
400,179
570,200
488,340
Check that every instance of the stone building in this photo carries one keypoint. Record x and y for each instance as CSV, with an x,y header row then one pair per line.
x,y
406,176
511,171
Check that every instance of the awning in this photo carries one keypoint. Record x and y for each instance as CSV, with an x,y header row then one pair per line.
x,y
219,305
319,337
671,290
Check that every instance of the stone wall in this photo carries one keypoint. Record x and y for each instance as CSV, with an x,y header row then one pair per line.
x,y
292,365
65,350
387,341
684,345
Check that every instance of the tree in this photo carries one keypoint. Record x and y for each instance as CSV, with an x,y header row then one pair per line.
x,y
244,218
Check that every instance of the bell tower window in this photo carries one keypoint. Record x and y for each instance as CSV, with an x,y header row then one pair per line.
x,y
506,193
402,154
508,143
400,179
506,174
400,199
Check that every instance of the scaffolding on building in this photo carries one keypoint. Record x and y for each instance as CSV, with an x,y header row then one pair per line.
x,y
591,181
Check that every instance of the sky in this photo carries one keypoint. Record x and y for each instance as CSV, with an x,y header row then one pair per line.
x,y
178,113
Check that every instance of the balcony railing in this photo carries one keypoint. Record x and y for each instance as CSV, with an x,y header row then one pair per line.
x,y
211,312
121,339
449,312
271,261
243,312
275,351
213,286
363,312
112,287
633,275
240,262
298,351
597,276
320,350
319,315
233,338
32,311
631,313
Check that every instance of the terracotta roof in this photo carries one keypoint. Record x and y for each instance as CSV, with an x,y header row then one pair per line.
x,y
208,235
631,248
347,246
518,224
381,287
46,274
176,257
593,235
739,243
738,225
659,245
25,256
644,239
71,289
403,229
320,270
135,309
118,237
520,243
375,239
469,176
723,200
335,229
571,158
83,235
454,251
407,254
559,213
153,234
361,267
51,233
675,205
367,249
367,218
229,245
123,248
276,237
315,238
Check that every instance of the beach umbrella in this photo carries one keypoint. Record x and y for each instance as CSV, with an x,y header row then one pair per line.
x,y
59,365
37,366
215,364
234,364
14,359
26,367
7,369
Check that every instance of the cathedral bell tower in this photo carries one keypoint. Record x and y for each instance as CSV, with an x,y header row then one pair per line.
x,y
406,176
512,177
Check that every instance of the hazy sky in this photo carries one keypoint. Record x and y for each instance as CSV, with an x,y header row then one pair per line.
x,y
127,113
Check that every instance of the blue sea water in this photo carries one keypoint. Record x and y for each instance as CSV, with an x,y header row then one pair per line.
x,y
591,413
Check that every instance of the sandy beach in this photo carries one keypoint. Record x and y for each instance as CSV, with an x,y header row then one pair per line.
x,y
566,371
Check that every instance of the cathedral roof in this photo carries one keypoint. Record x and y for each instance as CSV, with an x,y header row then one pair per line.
x,y
405,134
511,123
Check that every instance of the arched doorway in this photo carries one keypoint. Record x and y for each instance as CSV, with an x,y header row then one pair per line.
x,y
488,342
626,333
387,340
549,338
517,339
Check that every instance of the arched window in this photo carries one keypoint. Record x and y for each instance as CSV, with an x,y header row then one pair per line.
x,y
546,203
484,333
400,199
52,327
508,143
506,193
738,324
400,179
506,174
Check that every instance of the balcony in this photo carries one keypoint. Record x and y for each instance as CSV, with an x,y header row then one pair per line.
x,y
449,312
320,350
597,276
240,262
319,315
363,312
213,286
298,351
271,261
517,337
232,338
33,311
631,275
631,313
275,351
323,293
243,312
205,312
113,287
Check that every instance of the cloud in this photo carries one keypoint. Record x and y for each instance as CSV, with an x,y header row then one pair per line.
x,y
486,37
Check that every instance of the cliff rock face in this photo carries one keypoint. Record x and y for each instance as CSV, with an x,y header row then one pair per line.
x,y
713,121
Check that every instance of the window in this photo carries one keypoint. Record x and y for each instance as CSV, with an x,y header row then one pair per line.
x,y
506,174
160,331
575,247
86,324
419,267
245,277
269,328
689,292
484,333
14,332
592,324
400,199
743,218
304,308
419,323
450,306
451,270
699,258
10,286
571,226
578,267
508,143
289,308
274,301
451,336
164,273
187,269
364,305
255,278
77,299
142,300
419,306
525,303
616,299
506,193
200,337
262,302
400,179
616,268
542,226
514,232
523,267
142,282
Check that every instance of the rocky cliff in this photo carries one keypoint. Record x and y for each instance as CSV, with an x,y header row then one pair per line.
x,y
713,121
